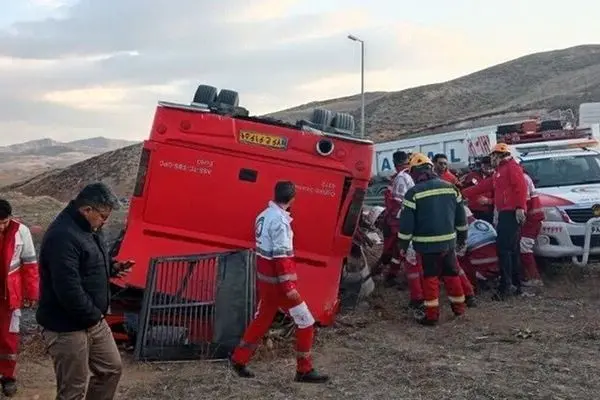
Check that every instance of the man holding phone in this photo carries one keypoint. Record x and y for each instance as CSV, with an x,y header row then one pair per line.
x,y
75,269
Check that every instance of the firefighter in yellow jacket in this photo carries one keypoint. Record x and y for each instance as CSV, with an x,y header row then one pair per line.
x,y
433,218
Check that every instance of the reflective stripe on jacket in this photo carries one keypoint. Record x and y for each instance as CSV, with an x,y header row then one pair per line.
x,y
18,263
433,217
274,248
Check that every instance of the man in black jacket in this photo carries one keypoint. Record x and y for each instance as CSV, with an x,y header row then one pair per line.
x,y
433,218
75,294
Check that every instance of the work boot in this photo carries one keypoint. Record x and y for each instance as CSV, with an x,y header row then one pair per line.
x,y
421,317
471,301
311,376
416,305
240,369
9,386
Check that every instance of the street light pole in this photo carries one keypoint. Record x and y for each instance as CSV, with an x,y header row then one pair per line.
x,y
362,83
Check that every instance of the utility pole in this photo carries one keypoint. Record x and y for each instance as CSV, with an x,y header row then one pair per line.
x,y
362,83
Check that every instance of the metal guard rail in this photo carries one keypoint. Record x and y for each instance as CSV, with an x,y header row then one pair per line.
x,y
586,243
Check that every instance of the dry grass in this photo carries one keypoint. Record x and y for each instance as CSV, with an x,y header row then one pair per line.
x,y
542,347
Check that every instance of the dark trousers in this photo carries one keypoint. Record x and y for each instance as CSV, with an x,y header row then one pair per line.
x,y
487,216
508,250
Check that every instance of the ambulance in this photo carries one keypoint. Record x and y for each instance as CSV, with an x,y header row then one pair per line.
x,y
566,171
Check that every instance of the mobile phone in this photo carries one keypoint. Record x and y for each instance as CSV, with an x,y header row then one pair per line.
x,y
126,265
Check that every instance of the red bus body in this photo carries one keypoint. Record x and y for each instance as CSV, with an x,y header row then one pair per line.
x,y
204,177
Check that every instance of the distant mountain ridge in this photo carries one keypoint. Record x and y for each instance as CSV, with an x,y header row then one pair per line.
x,y
536,84
22,161
51,147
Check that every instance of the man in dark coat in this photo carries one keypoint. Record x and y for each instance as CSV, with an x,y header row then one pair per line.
x,y
75,269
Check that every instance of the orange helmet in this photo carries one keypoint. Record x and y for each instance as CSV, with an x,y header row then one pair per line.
x,y
418,159
501,148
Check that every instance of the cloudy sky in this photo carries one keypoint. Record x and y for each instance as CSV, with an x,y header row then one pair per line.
x,y
78,68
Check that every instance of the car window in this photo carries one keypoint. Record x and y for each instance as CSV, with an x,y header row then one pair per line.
x,y
563,170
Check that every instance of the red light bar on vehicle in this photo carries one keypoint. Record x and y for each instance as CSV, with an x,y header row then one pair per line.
x,y
562,145
543,136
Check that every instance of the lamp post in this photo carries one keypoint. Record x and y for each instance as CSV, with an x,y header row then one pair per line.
x,y
362,83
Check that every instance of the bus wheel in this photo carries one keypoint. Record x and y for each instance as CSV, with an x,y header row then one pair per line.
x,y
322,117
229,97
344,122
205,94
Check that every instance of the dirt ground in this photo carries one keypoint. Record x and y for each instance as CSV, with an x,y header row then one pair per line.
x,y
542,347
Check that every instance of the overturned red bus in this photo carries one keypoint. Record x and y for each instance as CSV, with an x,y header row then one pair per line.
x,y
208,169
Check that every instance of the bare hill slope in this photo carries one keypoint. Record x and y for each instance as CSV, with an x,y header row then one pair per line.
x,y
536,83
116,168
24,160
542,82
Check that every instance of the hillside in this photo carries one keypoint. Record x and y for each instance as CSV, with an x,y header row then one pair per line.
x,y
96,145
538,83
116,168
25,160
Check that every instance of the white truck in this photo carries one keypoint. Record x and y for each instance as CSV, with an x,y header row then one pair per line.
x,y
589,114
461,147
567,178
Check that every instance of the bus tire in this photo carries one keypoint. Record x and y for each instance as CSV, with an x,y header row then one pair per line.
x,y
322,117
205,94
344,122
229,97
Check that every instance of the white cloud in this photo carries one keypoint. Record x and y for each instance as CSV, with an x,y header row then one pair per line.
x,y
101,66
48,3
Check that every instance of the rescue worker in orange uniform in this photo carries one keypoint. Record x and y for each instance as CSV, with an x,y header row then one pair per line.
x,y
433,218
276,278
529,233
20,289
482,205
413,269
480,258
393,196
440,163
510,201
